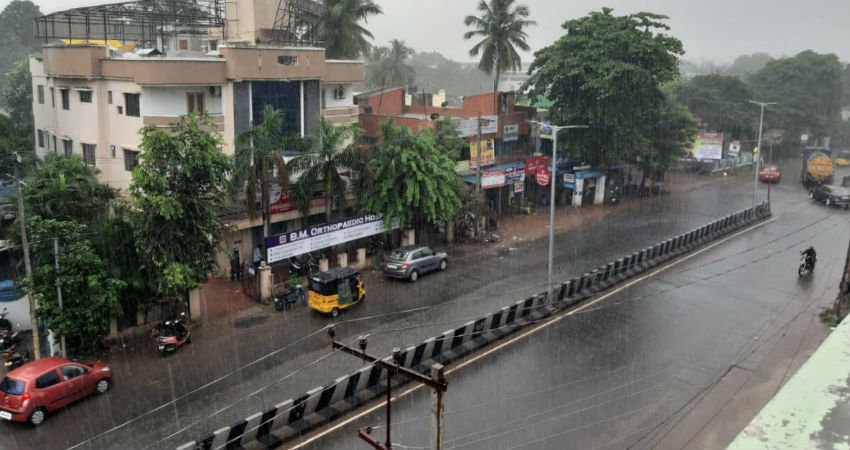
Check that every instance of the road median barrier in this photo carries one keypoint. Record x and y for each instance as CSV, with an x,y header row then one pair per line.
x,y
293,418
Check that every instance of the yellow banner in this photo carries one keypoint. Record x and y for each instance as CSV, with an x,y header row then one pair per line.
x,y
488,154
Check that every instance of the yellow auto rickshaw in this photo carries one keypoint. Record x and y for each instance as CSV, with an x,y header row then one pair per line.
x,y
335,290
843,158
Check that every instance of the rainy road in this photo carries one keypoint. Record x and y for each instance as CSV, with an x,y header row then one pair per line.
x,y
237,368
622,371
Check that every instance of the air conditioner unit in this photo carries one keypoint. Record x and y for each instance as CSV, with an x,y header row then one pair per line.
x,y
339,93
215,91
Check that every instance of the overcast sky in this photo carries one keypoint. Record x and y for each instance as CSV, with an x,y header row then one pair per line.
x,y
717,30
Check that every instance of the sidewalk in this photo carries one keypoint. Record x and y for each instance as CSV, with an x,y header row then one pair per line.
x,y
812,410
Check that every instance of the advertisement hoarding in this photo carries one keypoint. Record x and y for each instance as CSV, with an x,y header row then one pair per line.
x,y
317,237
708,145
488,154
734,148
510,133
469,127
536,162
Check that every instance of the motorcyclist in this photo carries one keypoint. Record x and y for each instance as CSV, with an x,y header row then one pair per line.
x,y
811,256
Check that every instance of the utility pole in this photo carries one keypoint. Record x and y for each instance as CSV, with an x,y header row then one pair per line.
x,y
758,147
27,265
436,381
58,288
477,177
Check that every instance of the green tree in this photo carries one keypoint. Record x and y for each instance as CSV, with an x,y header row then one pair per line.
x,y
447,139
434,72
259,154
807,88
89,293
413,180
16,34
606,72
671,132
501,25
745,65
180,183
14,139
334,153
388,66
720,101
66,189
339,27
16,95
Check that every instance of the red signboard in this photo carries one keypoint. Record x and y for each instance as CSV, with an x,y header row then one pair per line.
x,y
536,162
542,176
281,204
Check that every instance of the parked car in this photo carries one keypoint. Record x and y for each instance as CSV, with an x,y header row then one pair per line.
x,y
831,195
843,158
45,385
411,261
770,173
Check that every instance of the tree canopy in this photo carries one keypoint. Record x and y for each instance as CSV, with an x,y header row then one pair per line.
x,y
413,180
388,66
16,34
340,29
180,182
502,29
606,72
720,101
66,189
16,95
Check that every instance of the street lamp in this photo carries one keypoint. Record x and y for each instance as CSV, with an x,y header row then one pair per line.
x,y
555,130
758,146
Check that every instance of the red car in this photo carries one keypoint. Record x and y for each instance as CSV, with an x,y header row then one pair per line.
x,y
44,385
770,173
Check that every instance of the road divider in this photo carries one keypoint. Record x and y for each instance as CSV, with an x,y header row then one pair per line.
x,y
291,419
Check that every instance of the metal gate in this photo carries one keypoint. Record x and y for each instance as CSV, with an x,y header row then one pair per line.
x,y
251,282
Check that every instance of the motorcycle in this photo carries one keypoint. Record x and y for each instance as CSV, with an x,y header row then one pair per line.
x,y
806,267
290,298
13,359
304,264
173,334
375,245
5,325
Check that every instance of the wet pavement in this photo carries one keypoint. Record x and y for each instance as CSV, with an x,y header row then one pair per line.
x,y
633,369
640,338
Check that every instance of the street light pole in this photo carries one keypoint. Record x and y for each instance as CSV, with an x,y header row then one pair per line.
x,y
758,147
555,130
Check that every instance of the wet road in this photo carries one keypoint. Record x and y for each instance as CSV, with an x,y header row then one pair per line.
x,y
237,368
619,372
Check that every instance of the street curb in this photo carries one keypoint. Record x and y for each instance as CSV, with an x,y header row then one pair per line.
x,y
322,405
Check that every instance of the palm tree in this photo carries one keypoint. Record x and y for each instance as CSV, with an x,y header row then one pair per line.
x,y
388,65
258,152
335,152
339,27
501,26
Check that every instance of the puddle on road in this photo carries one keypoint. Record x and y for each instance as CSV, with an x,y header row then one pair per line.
x,y
249,322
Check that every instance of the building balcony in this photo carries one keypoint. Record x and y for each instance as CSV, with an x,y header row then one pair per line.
x,y
168,121
345,114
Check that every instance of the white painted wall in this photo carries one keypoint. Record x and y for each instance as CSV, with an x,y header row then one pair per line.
x,y
171,101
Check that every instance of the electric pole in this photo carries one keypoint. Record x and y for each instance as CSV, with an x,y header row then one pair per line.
x,y
436,381
27,265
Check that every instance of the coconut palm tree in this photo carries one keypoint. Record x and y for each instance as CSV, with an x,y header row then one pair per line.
x,y
334,152
339,27
501,25
259,151
388,65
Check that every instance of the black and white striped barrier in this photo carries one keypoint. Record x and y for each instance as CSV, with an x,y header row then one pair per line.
x,y
321,405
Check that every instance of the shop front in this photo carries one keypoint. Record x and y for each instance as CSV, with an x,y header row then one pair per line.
x,y
585,185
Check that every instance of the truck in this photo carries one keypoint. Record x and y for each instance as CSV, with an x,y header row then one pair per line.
x,y
817,167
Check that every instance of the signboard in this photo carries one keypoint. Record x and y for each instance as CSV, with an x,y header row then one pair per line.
x,y
469,127
708,145
570,178
734,148
317,237
492,179
542,177
536,162
519,187
514,175
510,133
281,201
545,131
488,156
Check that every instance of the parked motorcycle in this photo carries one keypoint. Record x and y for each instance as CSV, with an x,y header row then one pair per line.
x,y
10,345
304,264
5,325
806,266
375,245
290,298
173,334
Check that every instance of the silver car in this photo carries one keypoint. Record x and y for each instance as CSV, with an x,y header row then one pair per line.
x,y
411,261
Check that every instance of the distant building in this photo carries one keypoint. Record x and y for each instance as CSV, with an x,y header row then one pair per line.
x,y
106,71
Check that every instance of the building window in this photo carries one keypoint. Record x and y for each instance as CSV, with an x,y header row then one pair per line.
x,y
40,138
40,94
66,98
88,154
213,45
52,98
195,102
55,144
287,60
85,96
131,159
183,44
109,96
131,104
69,147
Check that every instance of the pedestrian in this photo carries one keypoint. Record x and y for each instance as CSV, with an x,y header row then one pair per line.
x,y
258,256
235,272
